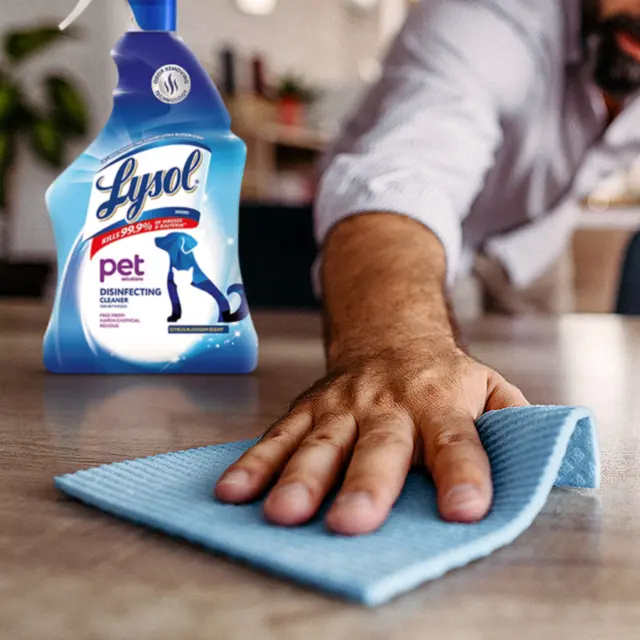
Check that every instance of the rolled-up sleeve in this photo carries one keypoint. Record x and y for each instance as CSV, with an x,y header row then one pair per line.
x,y
426,135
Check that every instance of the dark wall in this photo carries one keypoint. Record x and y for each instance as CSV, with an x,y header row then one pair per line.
x,y
277,251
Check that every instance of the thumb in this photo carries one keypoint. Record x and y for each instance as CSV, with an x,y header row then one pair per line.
x,y
502,394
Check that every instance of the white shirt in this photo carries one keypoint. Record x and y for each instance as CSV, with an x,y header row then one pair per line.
x,y
487,127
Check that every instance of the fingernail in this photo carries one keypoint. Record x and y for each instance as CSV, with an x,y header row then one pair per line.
x,y
237,477
354,500
464,497
295,495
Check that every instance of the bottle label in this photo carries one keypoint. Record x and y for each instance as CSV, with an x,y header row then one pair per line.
x,y
148,286
171,84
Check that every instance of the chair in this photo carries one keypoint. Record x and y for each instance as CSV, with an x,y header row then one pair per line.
x,y
628,302
277,251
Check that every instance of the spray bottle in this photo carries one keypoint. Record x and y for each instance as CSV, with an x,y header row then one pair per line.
x,y
146,221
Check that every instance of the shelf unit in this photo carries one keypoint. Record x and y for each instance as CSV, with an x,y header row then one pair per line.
x,y
281,159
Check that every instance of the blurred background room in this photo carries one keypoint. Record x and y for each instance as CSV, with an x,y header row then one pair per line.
x,y
290,72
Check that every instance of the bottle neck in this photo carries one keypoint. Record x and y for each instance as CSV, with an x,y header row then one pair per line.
x,y
153,15
134,27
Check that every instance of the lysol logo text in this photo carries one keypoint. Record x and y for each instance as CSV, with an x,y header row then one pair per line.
x,y
132,191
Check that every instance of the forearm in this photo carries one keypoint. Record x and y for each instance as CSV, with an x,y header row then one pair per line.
x,y
383,283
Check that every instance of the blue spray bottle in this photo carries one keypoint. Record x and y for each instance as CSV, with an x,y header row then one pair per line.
x,y
146,222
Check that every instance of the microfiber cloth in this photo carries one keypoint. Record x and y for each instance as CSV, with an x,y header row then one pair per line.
x,y
530,449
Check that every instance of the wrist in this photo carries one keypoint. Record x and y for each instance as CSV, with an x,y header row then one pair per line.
x,y
351,348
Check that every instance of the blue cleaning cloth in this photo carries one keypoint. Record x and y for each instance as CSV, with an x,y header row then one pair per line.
x,y
530,448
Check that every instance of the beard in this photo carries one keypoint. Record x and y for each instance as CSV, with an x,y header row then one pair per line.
x,y
615,71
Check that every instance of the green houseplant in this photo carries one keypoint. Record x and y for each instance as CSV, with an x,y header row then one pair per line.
x,y
294,96
44,127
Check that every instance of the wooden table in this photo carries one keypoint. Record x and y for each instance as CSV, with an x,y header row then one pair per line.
x,y
67,571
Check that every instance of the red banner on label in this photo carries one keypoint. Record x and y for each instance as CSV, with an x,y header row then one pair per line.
x,y
137,228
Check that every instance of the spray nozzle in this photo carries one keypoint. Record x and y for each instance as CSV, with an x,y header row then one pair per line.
x,y
150,15
75,14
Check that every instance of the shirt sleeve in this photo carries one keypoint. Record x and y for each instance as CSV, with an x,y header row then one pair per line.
x,y
427,133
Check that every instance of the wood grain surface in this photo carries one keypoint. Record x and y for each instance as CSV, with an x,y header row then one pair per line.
x,y
70,572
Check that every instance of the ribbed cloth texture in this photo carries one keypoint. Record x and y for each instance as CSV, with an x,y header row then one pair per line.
x,y
530,448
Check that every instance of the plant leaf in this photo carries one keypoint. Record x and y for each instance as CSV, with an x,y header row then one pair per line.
x,y
9,103
15,113
19,45
7,149
68,108
7,160
25,116
47,142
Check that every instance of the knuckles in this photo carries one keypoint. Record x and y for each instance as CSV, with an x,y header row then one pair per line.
x,y
334,416
281,433
383,433
329,437
447,438
390,385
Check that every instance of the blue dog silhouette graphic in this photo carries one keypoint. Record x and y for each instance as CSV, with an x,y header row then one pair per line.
x,y
180,248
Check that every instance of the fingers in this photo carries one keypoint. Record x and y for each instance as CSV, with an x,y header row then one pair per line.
x,y
502,394
376,474
457,460
308,450
257,468
312,471
459,466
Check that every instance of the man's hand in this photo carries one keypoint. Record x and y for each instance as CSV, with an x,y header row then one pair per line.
x,y
412,405
400,391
